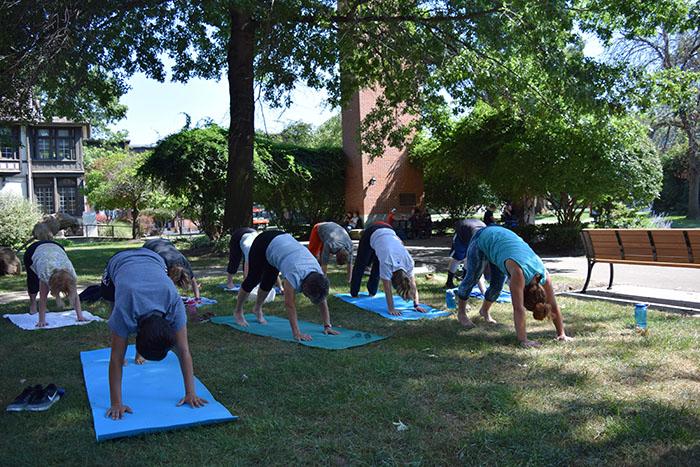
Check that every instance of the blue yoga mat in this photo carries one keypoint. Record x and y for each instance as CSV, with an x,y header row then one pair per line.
x,y
504,297
237,287
278,328
152,390
377,304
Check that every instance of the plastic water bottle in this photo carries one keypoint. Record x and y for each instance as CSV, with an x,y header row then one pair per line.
x,y
450,299
640,315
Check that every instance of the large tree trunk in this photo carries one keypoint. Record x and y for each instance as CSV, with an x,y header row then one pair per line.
x,y
239,178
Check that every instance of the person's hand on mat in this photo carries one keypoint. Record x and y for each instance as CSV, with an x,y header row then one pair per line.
x,y
564,338
193,401
116,412
421,308
139,360
302,337
42,324
529,344
394,312
330,331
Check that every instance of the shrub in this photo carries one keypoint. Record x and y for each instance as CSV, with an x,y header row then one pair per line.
x,y
17,219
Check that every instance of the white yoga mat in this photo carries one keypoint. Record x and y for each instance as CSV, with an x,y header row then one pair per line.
x,y
55,319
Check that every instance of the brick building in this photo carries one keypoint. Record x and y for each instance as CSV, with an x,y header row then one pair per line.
x,y
44,162
373,188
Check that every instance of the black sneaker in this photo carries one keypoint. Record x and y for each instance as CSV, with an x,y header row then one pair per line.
x,y
45,399
21,401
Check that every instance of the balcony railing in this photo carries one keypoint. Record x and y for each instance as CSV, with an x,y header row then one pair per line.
x,y
53,165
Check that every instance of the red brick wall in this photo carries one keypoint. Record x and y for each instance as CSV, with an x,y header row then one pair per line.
x,y
393,172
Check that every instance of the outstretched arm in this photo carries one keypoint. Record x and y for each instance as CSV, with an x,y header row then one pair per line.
x,y
517,289
326,317
389,295
416,298
195,288
182,350
557,317
116,362
43,299
290,305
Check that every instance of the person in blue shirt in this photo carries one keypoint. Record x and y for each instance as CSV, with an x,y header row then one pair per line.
x,y
530,283
145,302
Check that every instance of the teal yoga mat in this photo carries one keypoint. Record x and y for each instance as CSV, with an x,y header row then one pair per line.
x,y
278,328
152,390
377,304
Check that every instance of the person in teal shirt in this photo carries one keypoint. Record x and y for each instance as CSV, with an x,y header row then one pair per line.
x,y
530,283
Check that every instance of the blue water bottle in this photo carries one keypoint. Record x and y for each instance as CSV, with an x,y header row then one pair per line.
x,y
450,299
640,315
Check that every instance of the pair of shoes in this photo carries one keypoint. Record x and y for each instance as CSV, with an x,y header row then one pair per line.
x,y
36,398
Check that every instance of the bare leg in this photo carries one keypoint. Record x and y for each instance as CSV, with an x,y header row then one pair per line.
x,y
484,312
32,304
262,295
462,315
229,281
238,313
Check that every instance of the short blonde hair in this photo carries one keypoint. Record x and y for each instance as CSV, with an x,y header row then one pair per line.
x,y
62,282
180,277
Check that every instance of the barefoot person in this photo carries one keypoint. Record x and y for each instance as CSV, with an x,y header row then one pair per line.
x,y
179,269
238,248
328,238
464,231
145,302
381,248
49,270
530,283
274,252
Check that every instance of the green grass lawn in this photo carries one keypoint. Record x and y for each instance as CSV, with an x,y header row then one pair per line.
x,y
473,397
681,222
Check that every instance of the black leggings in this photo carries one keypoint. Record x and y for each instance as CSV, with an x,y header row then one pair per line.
x,y
32,279
260,271
364,257
235,254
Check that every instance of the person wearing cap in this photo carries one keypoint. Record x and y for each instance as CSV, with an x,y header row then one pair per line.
x,y
274,252
145,302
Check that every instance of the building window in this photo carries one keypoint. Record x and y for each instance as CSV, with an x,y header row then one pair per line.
x,y
8,143
65,147
407,199
55,143
67,197
44,197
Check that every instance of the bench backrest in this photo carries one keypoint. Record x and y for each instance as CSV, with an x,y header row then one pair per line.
x,y
679,246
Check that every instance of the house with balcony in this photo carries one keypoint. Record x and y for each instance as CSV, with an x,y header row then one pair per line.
x,y
44,162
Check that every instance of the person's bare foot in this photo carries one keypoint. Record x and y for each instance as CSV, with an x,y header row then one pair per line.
x,y
487,317
465,321
229,285
240,319
32,310
260,318
139,360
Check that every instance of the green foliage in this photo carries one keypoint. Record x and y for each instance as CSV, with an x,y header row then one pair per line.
x,y
446,190
17,219
112,181
573,159
304,180
192,164
329,133
674,192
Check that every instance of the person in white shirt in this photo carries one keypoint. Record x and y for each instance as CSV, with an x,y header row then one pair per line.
x,y
381,248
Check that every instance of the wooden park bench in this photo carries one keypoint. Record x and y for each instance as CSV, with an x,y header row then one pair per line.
x,y
651,247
